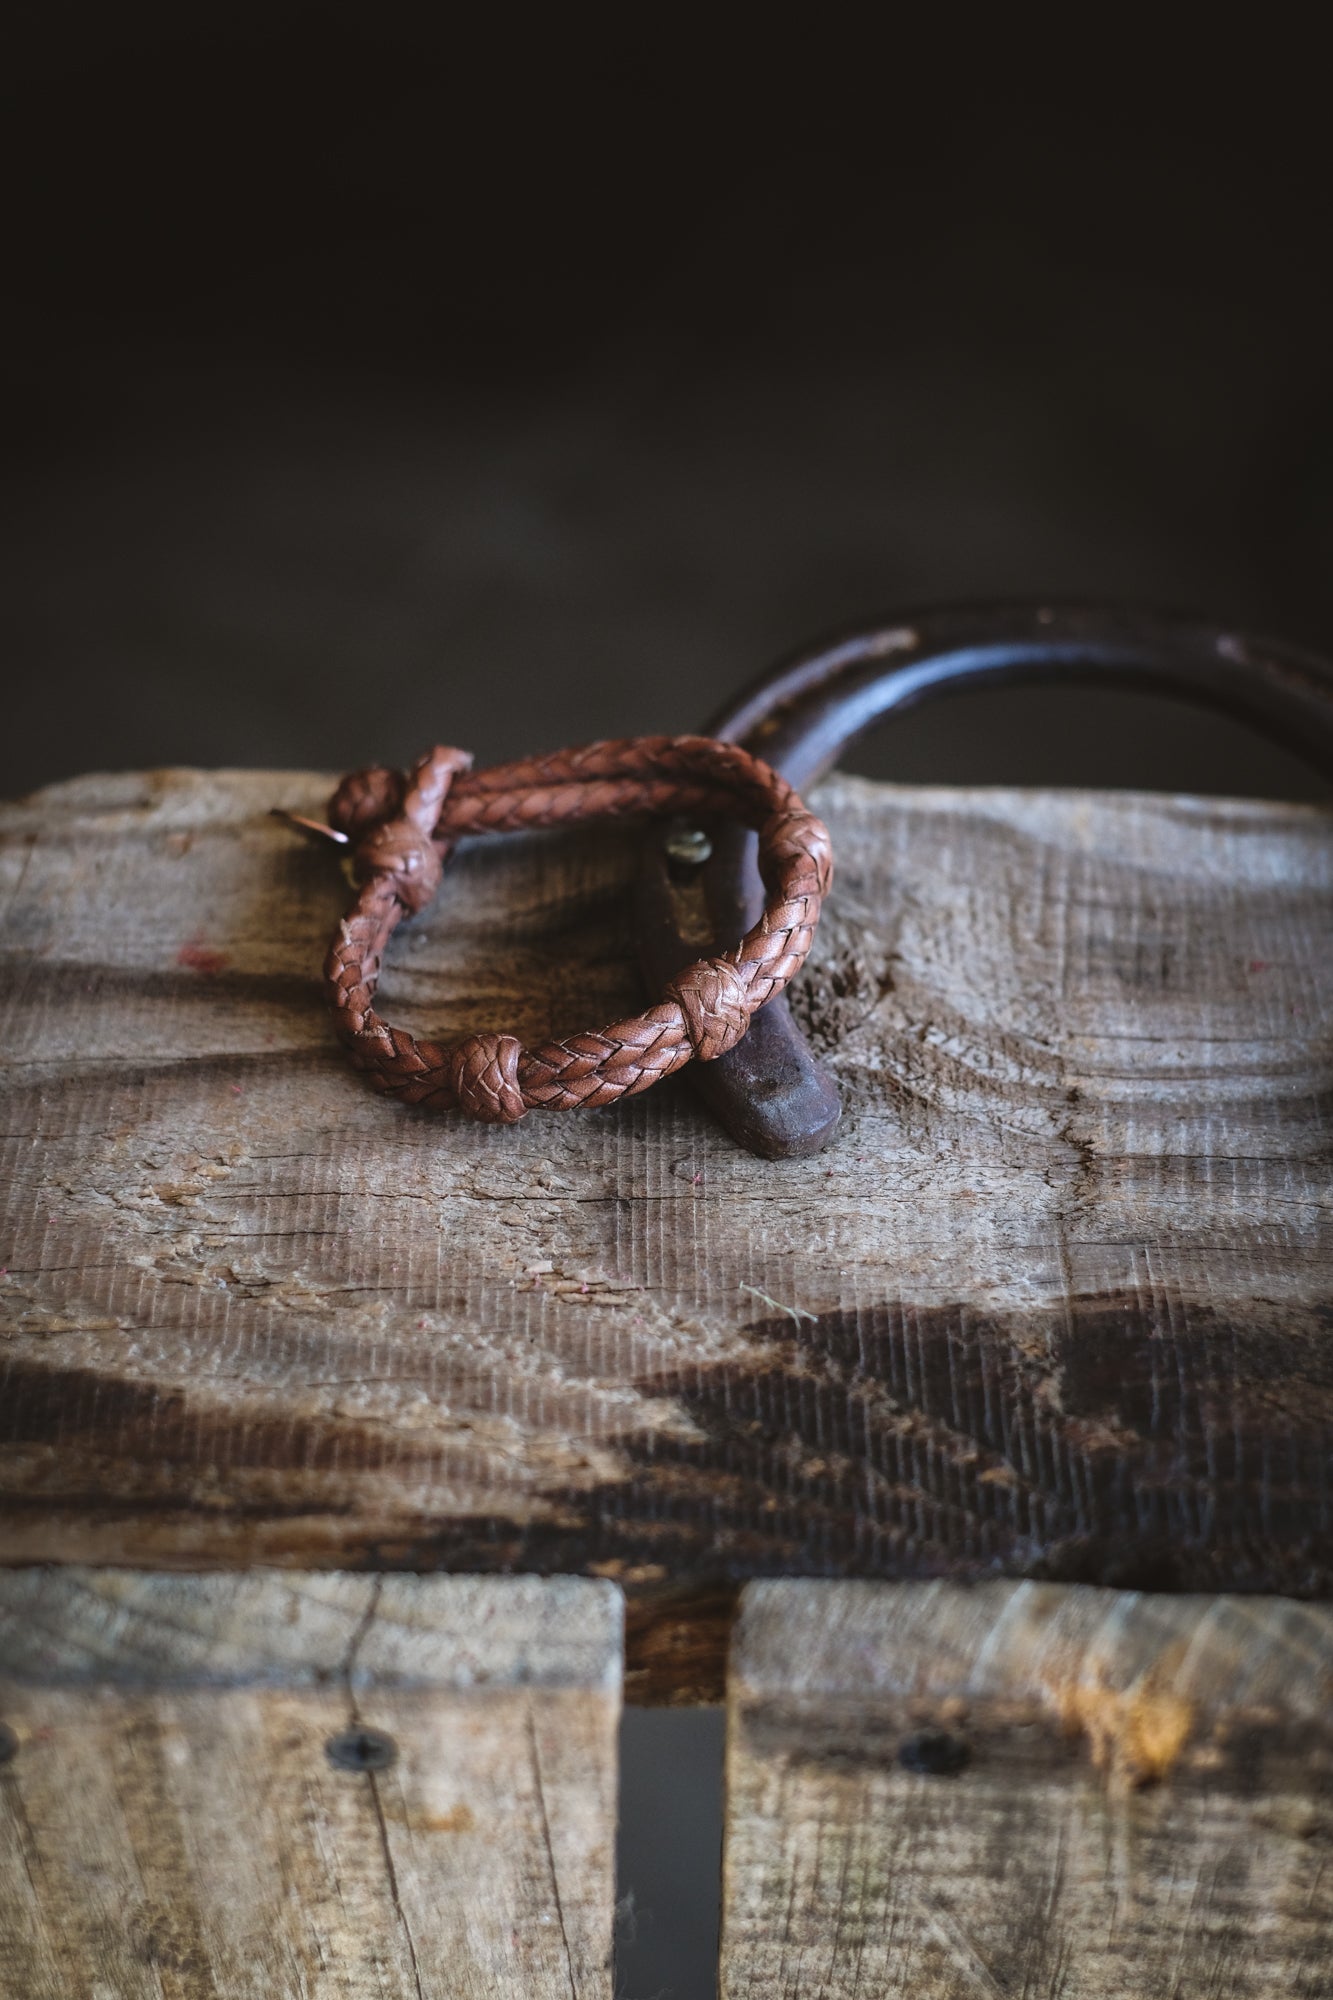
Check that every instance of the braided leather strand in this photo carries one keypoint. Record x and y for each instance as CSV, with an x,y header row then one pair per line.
x,y
402,828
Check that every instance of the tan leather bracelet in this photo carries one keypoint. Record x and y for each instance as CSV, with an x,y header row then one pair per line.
x,y
401,828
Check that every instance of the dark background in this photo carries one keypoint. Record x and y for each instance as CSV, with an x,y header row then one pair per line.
x,y
375,379
380,378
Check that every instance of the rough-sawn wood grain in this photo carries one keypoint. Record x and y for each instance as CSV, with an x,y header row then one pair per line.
x,y
1027,1789
1056,1303
171,1826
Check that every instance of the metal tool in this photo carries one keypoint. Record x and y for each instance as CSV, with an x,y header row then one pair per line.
x,y
769,1091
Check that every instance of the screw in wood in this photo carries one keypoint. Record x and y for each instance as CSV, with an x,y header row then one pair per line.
x,y
688,847
9,1744
361,1750
933,1753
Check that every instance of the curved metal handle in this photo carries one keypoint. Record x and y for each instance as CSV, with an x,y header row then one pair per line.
x,y
769,1091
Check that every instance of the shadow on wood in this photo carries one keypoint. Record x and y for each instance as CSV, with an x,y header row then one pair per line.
x,y
1055,1304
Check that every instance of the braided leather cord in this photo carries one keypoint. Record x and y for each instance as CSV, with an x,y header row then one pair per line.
x,y
402,828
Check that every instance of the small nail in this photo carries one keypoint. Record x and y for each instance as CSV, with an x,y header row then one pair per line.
x,y
934,1753
361,1750
690,847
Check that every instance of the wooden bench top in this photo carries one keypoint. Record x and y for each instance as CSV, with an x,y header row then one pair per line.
x,y
1057,1303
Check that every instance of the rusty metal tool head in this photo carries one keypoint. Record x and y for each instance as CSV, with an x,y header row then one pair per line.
x,y
698,885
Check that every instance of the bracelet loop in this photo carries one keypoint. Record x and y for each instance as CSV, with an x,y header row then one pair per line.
x,y
401,829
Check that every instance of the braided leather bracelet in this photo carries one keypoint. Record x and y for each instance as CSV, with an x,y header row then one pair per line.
x,y
401,828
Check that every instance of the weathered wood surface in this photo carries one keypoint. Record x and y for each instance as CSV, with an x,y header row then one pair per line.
x,y
1056,1303
1113,1797
171,1826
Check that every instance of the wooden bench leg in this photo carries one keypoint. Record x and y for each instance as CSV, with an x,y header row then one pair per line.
x,y
1027,1789
256,1786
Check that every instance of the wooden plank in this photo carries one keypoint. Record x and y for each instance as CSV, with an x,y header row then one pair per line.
x,y
1057,1303
1046,1790
172,1825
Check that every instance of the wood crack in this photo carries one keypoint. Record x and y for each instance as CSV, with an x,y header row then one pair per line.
x,y
391,1878
356,1721
550,1852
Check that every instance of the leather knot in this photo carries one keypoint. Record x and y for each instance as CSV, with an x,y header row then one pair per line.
x,y
715,1001
483,1070
391,819
365,797
397,849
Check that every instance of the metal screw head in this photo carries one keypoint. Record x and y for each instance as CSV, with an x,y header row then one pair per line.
x,y
361,1750
9,1744
688,846
933,1753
